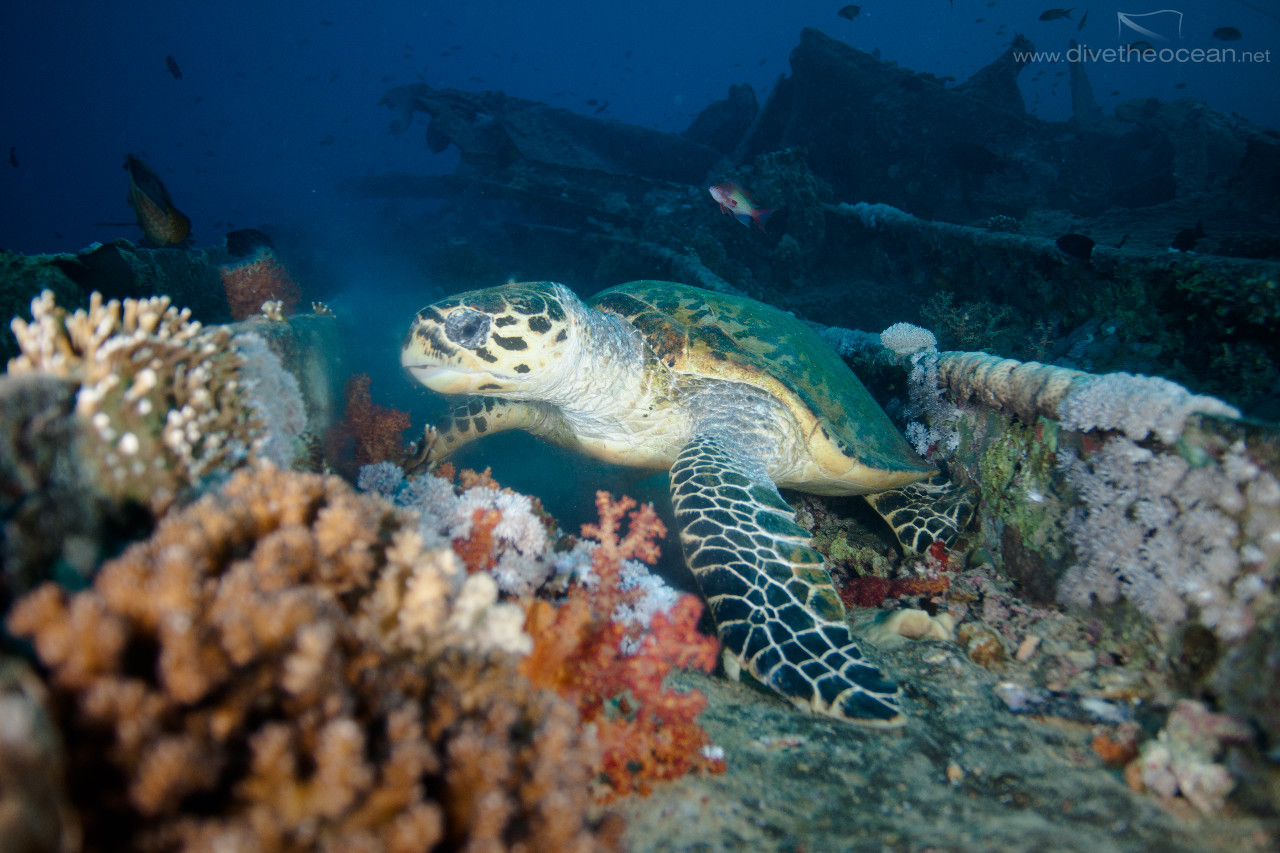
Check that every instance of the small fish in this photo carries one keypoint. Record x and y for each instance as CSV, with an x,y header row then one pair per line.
x,y
161,223
13,157
1055,14
734,200
1139,46
851,11
603,106
1227,34
329,139
1076,245
1179,85
172,65
1083,18
1185,240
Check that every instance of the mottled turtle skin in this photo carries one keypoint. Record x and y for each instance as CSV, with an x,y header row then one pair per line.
x,y
736,398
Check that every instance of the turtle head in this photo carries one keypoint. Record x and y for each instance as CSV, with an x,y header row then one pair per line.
x,y
513,341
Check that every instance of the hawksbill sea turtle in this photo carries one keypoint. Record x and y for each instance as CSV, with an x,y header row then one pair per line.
x,y
736,398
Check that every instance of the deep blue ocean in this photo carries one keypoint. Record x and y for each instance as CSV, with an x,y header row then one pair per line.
x,y
278,102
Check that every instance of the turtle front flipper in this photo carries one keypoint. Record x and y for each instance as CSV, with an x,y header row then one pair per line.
x,y
775,608
477,417
922,513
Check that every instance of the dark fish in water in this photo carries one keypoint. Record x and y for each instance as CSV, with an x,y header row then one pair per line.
x,y
1055,14
329,139
172,65
1185,240
1227,34
246,241
1139,46
161,223
604,106
1076,245
850,11
1083,18
13,157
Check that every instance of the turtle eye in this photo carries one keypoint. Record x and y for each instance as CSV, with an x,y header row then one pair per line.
x,y
467,327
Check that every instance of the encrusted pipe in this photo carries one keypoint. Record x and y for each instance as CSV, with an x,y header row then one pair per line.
x,y
1027,388
1138,406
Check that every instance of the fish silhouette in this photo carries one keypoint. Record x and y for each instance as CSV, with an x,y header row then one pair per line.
x,y
161,223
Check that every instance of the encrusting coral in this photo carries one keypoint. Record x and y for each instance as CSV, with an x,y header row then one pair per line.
x,y
285,666
161,394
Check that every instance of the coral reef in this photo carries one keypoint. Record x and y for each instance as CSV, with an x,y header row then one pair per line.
x,y
162,395
259,279
646,731
1173,537
277,397
368,433
1182,760
493,530
285,666
52,514
35,814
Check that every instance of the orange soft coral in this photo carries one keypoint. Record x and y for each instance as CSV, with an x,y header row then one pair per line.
x,y
646,732
260,279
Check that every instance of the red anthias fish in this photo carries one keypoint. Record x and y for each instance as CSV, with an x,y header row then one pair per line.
x,y
735,200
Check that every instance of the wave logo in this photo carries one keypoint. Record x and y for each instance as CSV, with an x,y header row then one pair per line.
x,y
1158,26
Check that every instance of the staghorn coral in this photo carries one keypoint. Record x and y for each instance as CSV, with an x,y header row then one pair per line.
x,y
260,279
285,666
161,394
646,732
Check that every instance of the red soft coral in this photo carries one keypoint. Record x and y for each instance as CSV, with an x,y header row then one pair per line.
x,y
646,731
367,433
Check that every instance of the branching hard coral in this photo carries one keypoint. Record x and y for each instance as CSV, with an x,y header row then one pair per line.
x,y
261,278
285,666
161,394
646,731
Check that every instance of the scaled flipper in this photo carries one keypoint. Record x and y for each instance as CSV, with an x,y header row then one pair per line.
x,y
773,602
933,510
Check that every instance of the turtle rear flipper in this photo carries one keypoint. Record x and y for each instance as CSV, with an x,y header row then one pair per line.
x,y
775,608
922,513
